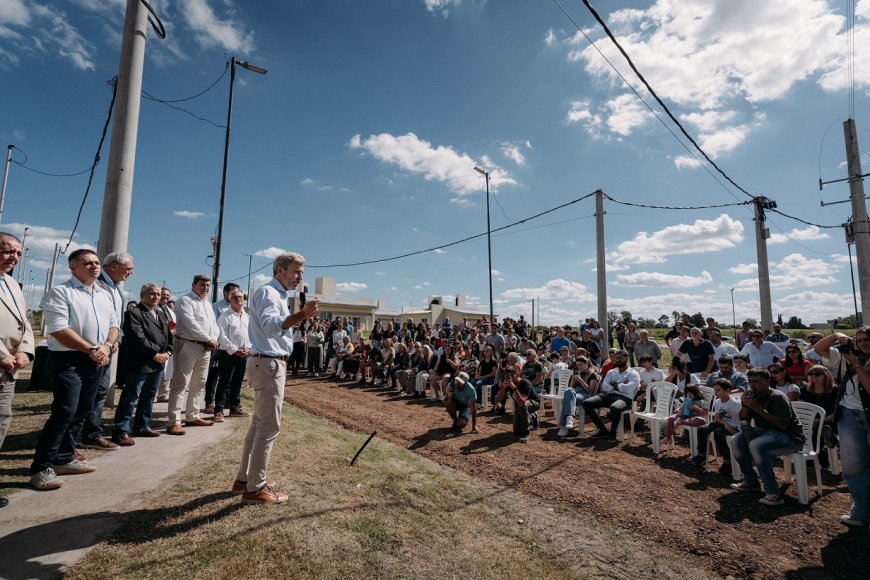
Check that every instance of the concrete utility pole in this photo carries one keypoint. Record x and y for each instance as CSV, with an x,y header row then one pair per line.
x,y
860,227
761,235
5,179
49,281
118,196
601,271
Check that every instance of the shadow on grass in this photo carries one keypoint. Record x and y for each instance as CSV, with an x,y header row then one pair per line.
x,y
845,556
39,409
20,442
25,551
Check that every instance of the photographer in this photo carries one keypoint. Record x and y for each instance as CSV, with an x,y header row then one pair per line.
x,y
847,359
527,401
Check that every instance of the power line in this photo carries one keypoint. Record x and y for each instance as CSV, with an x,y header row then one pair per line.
x,y
199,94
114,83
649,206
803,221
150,97
23,164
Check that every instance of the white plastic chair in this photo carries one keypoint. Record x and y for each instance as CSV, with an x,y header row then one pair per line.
x,y
485,392
665,395
562,380
708,393
807,413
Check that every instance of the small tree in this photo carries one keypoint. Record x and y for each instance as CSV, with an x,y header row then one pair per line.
x,y
751,322
626,316
697,319
664,320
794,322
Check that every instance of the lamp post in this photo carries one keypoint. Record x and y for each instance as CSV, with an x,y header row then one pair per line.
x,y
5,178
220,230
734,317
19,277
488,245
250,260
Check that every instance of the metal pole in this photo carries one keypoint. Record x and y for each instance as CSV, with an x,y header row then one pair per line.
x,y
734,317
250,260
860,227
5,178
220,228
854,295
489,249
601,273
118,197
23,266
19,273
761,235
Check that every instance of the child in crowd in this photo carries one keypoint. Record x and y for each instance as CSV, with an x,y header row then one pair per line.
x,y
726,421
692,413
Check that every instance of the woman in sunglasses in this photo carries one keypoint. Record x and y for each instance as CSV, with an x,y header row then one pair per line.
x,y
796,366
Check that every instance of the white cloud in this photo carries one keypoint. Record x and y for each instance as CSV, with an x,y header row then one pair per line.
x,y
795,271
43,29
260,279
844,258
441,163
686,162
211,31
308,182
744,269
557,289
626,113
495,272
702,236
186,213
350,286
271,252
439,251
662,279
550,37
441,6
513,151
809,233
42,239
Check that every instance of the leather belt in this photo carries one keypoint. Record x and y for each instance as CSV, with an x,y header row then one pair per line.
x,y
200,342
283,357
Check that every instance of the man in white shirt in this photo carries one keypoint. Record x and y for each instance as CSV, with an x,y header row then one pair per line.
x,y
211,380
715,338
235,346
619,388
82,327
196,336
761,353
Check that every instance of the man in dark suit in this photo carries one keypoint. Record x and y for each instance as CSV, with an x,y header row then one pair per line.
x,y
149,345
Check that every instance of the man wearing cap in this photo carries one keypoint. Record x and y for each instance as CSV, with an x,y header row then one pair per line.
x,y
761,353
461,404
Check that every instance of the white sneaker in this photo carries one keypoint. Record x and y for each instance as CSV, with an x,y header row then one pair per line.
x,y
848,520
46,480
563,432
74,467
569,422
524,439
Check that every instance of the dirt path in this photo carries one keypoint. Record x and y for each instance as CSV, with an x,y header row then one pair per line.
x,y
668,500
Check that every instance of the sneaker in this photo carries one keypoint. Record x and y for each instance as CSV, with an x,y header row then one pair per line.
x,y
569,422
771,500
208,409
218,417
239,412
240,487
266,494
848,520
46,480
524,439
742,486
563,432
74,468
99,443
699,461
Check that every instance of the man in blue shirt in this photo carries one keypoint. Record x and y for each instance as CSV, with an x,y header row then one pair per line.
x,y
461,404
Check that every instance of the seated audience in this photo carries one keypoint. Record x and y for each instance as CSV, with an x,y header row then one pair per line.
x,y
726,421
618,387
727,371
780,381
584,384
693,413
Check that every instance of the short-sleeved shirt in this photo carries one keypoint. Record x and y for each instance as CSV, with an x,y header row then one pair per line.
x,y
465,395
530,370
729,411
778,404
699,355
90,313
525,389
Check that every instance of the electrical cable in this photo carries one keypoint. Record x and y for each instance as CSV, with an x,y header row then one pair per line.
x,y
199,94
114,83
150,97
659,100
803,221
498,203
24,165
648,206
161,31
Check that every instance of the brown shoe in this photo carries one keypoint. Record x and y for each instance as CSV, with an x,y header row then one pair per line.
x,y
149,432
79,457
240,487
199,423
208,408
100,443
266,494
162,399
239,412
218,417
175,429
124,440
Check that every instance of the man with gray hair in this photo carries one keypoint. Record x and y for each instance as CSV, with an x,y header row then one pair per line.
x,y
271,332
647,346
117,267
196,336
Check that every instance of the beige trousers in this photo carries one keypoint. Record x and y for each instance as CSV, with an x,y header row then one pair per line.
x,y
266,377
188,379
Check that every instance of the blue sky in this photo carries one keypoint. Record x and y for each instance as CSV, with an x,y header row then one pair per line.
x,y
360,143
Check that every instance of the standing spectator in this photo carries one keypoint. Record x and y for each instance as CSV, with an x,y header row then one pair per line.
x,y
495,340
149,345
702,355
619,388
714,335
16,334
775,431
726,421
83,328
620,332
745,335
235,344
593,351
778,336
166,306
271,342
117,267
851,416
298,348
196,337
560,341
217,354
761,353
630,339
645,345
677,342
314,341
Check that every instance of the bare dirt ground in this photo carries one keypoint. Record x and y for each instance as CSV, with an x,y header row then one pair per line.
x,y
679,507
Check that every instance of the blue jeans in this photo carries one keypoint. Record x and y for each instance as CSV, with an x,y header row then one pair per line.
x,y
93,427
138,394
765,446
569,402
75,379
854,433
477,383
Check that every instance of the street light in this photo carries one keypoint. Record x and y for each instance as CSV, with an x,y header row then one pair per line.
x,y
488,245
19,277
220,230
734,316
250,260
5,178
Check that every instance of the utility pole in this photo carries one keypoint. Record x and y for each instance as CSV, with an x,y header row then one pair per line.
x,y
49,281
118,196
533,312
761,234
5,178
601,273
860,227
250,260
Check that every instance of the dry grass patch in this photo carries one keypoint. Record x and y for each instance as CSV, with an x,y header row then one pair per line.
x,y
393,515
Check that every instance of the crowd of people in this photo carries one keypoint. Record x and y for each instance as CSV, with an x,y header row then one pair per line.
x,y
195,355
